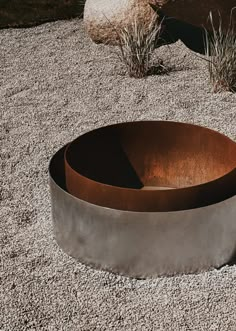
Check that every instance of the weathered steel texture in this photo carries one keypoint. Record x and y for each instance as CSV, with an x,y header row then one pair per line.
x,y
110,165
143,244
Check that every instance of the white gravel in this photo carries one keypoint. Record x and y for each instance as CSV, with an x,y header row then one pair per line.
x,y
54,85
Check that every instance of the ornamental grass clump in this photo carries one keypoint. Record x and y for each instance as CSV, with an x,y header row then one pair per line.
x,y
136,45
221,56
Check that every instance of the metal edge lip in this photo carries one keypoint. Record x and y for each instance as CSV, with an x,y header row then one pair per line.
x,y
210,192
160,121
120,210
231,172
187,124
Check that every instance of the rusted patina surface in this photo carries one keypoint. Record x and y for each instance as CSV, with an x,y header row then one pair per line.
x,y
110,166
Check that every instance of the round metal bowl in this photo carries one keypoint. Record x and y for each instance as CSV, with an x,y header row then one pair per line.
x,y
146,198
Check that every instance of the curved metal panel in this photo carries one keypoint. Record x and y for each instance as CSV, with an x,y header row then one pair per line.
x,y
141,244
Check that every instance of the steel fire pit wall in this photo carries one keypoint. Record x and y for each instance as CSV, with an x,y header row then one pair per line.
x,y
145,199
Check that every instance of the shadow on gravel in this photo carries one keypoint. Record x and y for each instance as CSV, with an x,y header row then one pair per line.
x,y
29,13
231,262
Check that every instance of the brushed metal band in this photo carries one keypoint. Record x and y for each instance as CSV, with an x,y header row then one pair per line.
x,y
141,244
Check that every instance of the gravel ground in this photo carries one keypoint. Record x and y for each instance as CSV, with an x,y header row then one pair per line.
x,y
54,85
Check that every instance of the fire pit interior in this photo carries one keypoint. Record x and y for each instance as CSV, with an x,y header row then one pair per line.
x,y
151,166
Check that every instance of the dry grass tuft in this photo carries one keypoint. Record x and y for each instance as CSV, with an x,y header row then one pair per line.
x,y
221,56
136,44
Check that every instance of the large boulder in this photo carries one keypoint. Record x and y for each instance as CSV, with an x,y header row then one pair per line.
x,y
101,17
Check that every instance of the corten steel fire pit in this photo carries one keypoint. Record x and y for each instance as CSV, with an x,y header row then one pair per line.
x,y
146,198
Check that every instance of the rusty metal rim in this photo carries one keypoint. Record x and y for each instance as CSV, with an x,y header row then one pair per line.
x,y
157,200
66,192
178,189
